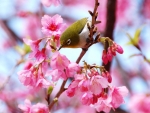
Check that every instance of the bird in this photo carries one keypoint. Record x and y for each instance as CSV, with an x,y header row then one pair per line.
x,y
75,36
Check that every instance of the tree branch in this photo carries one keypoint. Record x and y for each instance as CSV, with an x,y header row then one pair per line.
x,y
9,32
110,23
62,89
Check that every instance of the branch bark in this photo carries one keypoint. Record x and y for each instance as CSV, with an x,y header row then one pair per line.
x,y
110,23
9,32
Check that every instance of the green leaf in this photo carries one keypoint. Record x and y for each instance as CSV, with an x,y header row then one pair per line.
x,y
134,40
50,89
136,37
26,48
131,41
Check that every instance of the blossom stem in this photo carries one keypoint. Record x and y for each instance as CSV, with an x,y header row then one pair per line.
x,y
62,89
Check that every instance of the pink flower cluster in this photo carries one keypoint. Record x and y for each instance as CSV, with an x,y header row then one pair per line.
x,y
96,91
140,103
32,77
93,85
29,108
62,67
110,52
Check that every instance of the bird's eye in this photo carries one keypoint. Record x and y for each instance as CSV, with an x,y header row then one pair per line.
x,y
68,42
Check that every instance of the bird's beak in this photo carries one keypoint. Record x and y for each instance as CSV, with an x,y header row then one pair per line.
x,y
60,47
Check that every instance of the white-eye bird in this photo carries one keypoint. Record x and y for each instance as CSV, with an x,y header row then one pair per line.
x,y
75,36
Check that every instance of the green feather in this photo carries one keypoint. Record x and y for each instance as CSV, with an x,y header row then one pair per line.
x,y
72,33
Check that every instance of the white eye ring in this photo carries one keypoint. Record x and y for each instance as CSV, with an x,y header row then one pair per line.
x,y
68,42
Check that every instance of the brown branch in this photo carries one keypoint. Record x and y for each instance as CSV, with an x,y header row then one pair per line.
x,y
81,55
110,23
111,18
9,32
94,15
62,89
11,73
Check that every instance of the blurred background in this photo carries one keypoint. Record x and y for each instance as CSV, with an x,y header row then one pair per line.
x,y
121,20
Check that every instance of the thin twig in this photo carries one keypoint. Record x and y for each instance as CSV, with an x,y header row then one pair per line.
x,y
94,16
9,32
9,76
62,89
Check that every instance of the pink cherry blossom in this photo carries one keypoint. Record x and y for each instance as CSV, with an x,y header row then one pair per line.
x,y
122,7
48,3
110,52
33,44
22,14
139,103
42,82
113,99
83,82
61,74
72,88
73,68
59,61
103,105
27,78
104,57
56,74
37,108
146,8
56,40
93,91
87,98
62,67
32,78
28,65
27,107
84,85
107,76
40,55
84,109
40,108
117,94
115,47
97,83
32,27
52,26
